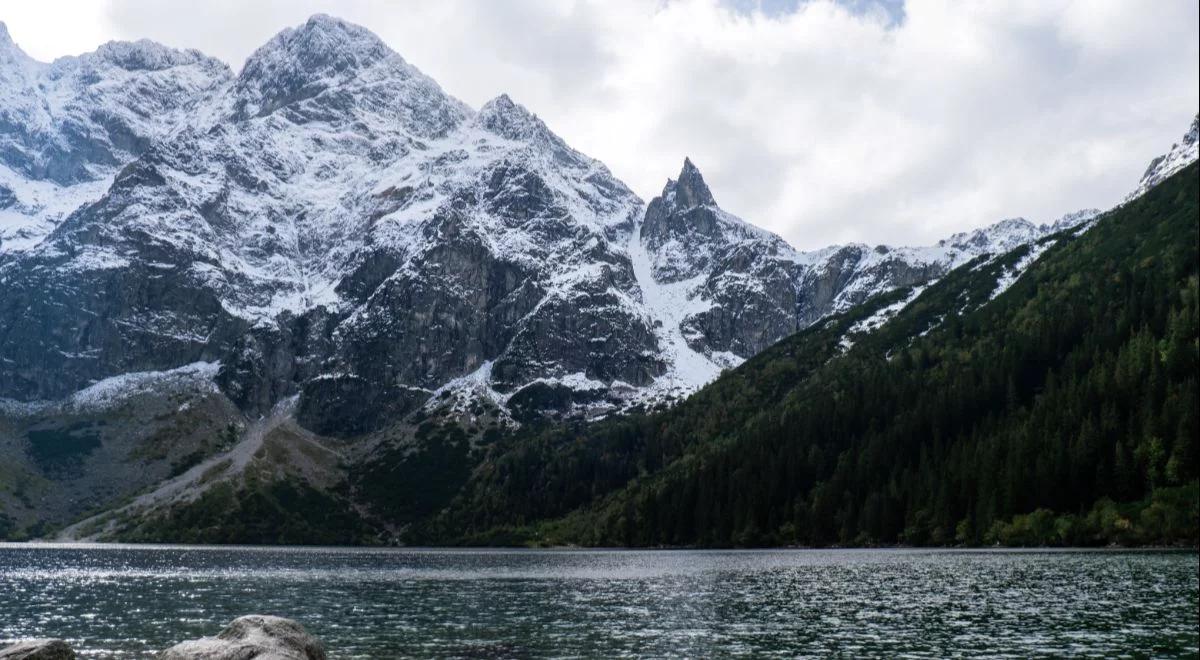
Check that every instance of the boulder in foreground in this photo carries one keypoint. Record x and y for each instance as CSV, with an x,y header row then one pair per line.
x,y
38,649
254,636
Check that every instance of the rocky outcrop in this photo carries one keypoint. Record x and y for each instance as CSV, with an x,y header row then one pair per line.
x,y
255,636
335,226
67,126
38,649
747,288
1181,154
329,224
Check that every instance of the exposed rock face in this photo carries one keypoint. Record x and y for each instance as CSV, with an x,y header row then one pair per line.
x,y
195,266
684,225
333,224
254,636
66,127
744,288
38,649
329,224
1181,154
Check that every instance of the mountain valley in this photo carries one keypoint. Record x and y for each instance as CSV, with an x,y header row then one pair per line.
x,y
326,296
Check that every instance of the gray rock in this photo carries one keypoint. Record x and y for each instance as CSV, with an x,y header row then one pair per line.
x,y
760,290
366,247
110,105
1182,154
255,636
38,649
686,220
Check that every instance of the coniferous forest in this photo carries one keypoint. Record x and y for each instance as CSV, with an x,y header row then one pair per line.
x,y
1062,412
306,355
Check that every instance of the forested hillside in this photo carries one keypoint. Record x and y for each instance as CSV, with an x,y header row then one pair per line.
x,y
1063,411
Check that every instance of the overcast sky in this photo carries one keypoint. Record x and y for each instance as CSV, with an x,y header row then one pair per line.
x,y
858,120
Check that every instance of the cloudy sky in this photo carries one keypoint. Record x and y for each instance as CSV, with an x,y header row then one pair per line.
x,y
826,121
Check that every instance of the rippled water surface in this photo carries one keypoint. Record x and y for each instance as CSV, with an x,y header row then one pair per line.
x,y
129,601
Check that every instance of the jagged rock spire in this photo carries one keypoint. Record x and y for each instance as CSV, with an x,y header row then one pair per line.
x,y
9,50
690,189
685,213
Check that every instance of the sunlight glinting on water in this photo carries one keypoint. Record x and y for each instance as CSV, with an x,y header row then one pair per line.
x,y
131,601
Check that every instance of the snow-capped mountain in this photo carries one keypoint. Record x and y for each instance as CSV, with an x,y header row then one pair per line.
x,y
1182,153
330,220
329,225
68,126
736,289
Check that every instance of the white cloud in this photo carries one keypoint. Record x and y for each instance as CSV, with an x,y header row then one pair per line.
x,y
39,29
833,122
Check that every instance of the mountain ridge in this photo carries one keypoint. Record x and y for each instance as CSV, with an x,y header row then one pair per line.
x,y
369,263
321,172
980,410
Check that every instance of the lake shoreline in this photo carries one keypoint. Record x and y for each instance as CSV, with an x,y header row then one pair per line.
x,y
501,548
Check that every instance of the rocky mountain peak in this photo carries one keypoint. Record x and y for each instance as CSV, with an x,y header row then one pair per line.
x,y
146,55
323,44
1071,220
1193,135
301,62
1182,153
689,190
68,126
685,231
350,234
509,119
10,52
995,238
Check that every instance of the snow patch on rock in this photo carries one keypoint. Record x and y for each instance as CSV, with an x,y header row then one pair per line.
x,y
1181,154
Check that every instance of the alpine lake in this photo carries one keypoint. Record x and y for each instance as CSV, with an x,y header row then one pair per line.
x,y
123,601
